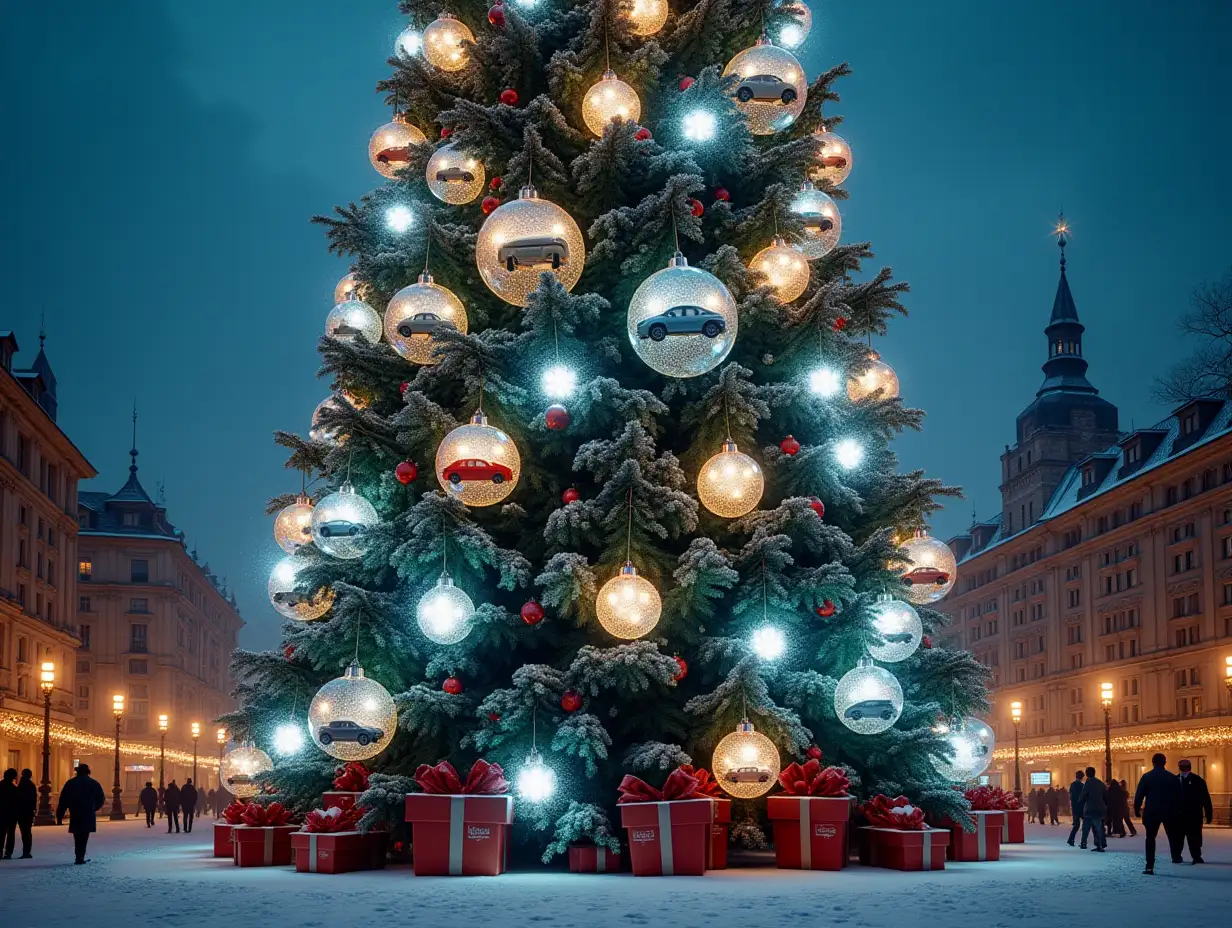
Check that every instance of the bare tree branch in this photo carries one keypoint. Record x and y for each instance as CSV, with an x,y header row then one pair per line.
x,y
1209,368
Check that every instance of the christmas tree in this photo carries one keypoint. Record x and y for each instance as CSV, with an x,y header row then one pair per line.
x,y
606,469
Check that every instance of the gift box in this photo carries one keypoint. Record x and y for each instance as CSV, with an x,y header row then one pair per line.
x,y
669,838
223,846
340,799
902,849
810,832
982,844
262,846
716,853
339,851
590,858
459,835
1014,829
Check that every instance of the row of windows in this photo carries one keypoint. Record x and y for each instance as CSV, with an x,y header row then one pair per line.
x,y
1121,580
1119,621
1118,554
138,570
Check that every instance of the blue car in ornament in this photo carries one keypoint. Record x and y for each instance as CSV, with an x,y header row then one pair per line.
x,y
340,528
872,708
344,730
682,320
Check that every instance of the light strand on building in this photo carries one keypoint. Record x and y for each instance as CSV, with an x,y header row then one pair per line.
x,y
1152,741
28,728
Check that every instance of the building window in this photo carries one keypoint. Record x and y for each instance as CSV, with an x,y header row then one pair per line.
x,y
1075,662
1170,496
138,639
83,697
131,520
23,650
1227,594
1133,454
1189,422
1074,597
1074,634
1227,547
139,571
83,603
83,632
1183,562
138,667
1020,649
139,605
85,570
1088,475
1075,719
21,687
1135,511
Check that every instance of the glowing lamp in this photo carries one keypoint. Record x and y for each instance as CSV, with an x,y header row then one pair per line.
x,y
768,643
1016,711
1105,694
221,735
849,453
445,613
162,723
117,705
699,126
559,382
196,730
825,382
399,218
536,781
47,676
409,42
288,739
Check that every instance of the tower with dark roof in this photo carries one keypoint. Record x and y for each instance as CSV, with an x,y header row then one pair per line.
x,y
1066,421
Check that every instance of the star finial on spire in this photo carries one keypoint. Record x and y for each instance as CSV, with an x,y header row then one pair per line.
x,y
132,468
1061,231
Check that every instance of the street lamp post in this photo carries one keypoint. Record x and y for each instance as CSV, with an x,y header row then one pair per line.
x,y
1227,677
1016,717
47,682
196,733
222,745
162,750
1105,695
117,808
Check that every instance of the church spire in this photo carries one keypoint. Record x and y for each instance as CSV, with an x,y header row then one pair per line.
x,y
1065,370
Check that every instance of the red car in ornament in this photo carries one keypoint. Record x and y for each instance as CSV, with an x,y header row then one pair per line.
x,y
394,155
922,576
472,469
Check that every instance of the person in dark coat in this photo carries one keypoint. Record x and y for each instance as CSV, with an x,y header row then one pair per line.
x,y
188,803
211,797
149,802
1127,820
1195,804
1075,805
1160,789
1094,807
27,804
162,803
8,813
171,801
1032,805
1050,803
81,797
1112,819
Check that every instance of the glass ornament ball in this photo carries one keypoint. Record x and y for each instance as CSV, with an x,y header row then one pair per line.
x,y
646,17
341,521
346,289
984,733
970,756
293,525
454,176
746,763
524,238
445,43
242,770
319,431
409,42
833,162
353,318
868,699
794,24
730,483
389,149
445,614
628,605
876,375
771,90
609,99
899,627
784,267
352,717
291,603
682,320
477,463
932,570
821,222
416,313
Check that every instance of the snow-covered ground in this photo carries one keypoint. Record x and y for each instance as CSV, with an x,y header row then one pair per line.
x,y
138,877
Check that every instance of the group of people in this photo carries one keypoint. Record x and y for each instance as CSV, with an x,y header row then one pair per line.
x,y
174,800
1043,805
18,800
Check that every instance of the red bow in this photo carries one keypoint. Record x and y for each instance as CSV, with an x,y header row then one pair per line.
x,y
680,784
811,780
329,821
351,778
234,813
484,779
990,798
884,812
707,785
260,816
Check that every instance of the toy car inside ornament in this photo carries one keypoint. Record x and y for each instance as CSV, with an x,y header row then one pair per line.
x,y
346,730
771,90
523,238
682,320
766,88
424,324
534,252
477,463
417,314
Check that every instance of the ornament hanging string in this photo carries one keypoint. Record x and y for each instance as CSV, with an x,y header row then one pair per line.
x,y
428,246
629,531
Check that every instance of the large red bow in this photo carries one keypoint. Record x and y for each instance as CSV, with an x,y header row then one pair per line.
x,y
484,779
351,778
679,785
260,816
990,798
885,812
810,780
234,813
707,785
330,821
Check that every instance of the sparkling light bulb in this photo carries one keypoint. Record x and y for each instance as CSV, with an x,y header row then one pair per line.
x,y
849,453
609,99
877,375
699,126
399,218
793,29
559,382
409,42
628,606
445,613
825,381
768,643
730,484
288,739
784,268
536,781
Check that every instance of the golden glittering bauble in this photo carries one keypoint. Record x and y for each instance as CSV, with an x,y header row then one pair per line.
x,y
352,318
290,602
646,17
445,43
682,320
822,222
833,162
352,717
876,375
243,770
454,176
771,91
611,98
730,483
746,763
628,606
932,570
341,522
389,149
477,463
784,268
524,238
417,313
346,289
293,525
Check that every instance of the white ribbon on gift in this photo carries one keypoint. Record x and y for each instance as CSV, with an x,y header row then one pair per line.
x,y
928,850
600,859
269,846
981,839
665,837
312,853
457,833
806,834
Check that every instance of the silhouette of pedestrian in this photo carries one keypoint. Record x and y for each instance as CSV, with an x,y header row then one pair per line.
x,y
81,797
27,803
171,800
1195,803
1160,789
149,802
1094,809
8,813
188,803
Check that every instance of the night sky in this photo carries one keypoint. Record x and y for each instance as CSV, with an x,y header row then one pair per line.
x,y
161,162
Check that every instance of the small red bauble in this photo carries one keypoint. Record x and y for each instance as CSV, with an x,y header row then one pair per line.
x,y
289,651
556,417
493,716
406,472
532,613
696,208
446,132
826,609
496,14
495,183
452,686
720,193
813,753
489,204
509,97
683,671
642,134
403,387
686,83
927,642
840,323
570,496
789,446
571,701
817,506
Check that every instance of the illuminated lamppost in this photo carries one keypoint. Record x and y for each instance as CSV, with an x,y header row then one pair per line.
x,y
1016,717
196,733
47,683
222,744
117,808
1227,676
1105,695
162,750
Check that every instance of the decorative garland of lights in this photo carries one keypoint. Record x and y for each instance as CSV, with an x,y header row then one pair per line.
x,y
28,728
1154,741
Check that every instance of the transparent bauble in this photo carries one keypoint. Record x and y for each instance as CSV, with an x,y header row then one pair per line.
x,y
646,17
321,432
454,176
409,42
352,717
416,313
355,399
346,289
730,484
341,521
875,375
822,223
868,699
784,267
243,770
984,733
292,603
791,31
682,320
628,605
932,570
293,525
610,98
772,90
353,318
833,162
524,238
970,757
899,627
746,763
477,463
536,780
389,149
445,614
445,43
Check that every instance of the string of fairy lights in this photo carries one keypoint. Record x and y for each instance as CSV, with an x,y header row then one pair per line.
x,y
23,727
1210,736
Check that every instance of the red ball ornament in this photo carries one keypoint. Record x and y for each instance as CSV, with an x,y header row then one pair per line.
x,y
406,472
452,686
495,183
532,613
509,97
446,132
684,669
720,193
571,701
570,496
813,753
686,83
840,323
496,14
696,208
826,609
489,204
556,417
403,387
493,716
927,642
642,134
289,651
789,446
817,506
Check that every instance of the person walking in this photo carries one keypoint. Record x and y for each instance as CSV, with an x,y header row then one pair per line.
x,y
1112,820
1127,820
1032,805
1160,789
188,804
81,797
1050,803
149,802
1094,808
1075,805
211,797
8,813
27,803
1195,803
162,802
171,801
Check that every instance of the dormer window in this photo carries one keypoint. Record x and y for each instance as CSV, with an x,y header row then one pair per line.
x,y
1189,422
1088,475
131,520
1133,454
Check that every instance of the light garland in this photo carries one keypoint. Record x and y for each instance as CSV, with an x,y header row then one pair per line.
x,y
29,728
1153,741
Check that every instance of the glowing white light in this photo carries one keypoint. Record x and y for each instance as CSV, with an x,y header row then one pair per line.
x,y
536,782
445,614
288,739
791,36
399,218
825,382
768,643
849,453
699,126
409,43
559,382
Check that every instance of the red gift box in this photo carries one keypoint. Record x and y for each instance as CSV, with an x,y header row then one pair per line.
x,y
902,849
716,858
810,832
590,858
340,799
262,846
459,835
339,851
223,846
668,838
1014,830
982,844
